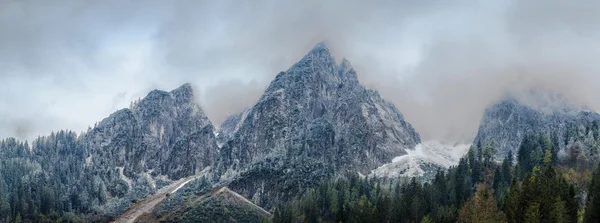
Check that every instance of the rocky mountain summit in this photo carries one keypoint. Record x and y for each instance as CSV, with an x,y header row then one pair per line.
x,y
131,154
513,117
314,120
165,133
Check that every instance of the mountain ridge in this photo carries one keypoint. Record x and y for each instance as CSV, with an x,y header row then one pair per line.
x,y
511,118
313,121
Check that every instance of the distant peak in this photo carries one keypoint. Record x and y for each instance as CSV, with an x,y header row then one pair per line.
x,y
320,49
319,56
184,93
541,100
346,71
320,46
345,65
187,87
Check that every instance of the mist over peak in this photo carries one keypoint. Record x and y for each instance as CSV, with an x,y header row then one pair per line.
x,y
441,64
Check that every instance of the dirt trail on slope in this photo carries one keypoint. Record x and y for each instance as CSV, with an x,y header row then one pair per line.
x,y
149,203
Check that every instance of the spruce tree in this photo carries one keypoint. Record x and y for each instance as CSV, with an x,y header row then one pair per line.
x,y
592,208
511,203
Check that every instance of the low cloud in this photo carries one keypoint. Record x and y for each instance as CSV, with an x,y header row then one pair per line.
x,y
70,64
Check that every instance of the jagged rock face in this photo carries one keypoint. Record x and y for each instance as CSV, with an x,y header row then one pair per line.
x,y
166,133
314,120
230,126
508,121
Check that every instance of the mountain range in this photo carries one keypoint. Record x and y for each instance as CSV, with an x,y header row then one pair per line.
x,y
315,121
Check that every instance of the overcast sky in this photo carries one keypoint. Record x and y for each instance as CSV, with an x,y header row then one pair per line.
x,y
69,64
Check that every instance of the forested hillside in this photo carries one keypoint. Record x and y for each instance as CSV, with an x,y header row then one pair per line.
x,y
98,174
536,187
51,181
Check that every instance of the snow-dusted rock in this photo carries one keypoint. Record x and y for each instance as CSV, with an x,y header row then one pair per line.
x,y
515,116
423,161
165,133
314,121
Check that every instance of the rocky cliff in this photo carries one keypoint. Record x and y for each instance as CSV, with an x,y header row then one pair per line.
x,y
314,120
506,122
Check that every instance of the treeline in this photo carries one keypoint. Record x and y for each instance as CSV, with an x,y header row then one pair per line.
x,y
478,189
549,179
50,181
356,199
31,188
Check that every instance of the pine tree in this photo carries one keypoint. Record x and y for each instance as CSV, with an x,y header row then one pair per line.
x,y
363,212
547,158
481,208
474,165
489,152
382,210
18,219
532,213
511,204
426,219
559,211
592,208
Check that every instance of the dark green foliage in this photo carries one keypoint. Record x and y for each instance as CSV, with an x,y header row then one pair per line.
x,y
216,209
533,191
29,194
355,199
544,196
592,209
502,180
382,210
511,203
533,150
474,165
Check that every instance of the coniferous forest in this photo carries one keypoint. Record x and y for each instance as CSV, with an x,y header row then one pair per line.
x,y
530,186
335,111
534,187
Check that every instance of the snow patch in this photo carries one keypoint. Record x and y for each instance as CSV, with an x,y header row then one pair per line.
x,y
88,160
427,154
123,177
365,110
180,186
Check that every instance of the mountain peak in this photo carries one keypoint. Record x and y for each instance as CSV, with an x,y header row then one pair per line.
x,y
320,51
320,46
187,87
183,93
319,58
540,100
345,66
346,71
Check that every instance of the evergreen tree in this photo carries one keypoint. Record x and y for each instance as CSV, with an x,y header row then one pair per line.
x,y
18,219
481,208
426,219
559,212
363,212
532,213
382,210
511,204
592,208
489,152
474,165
